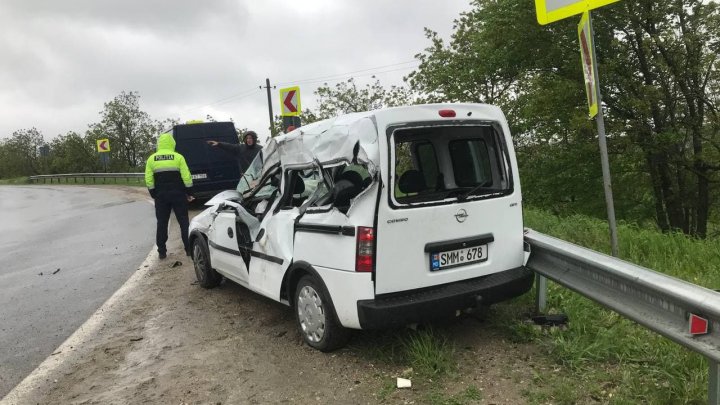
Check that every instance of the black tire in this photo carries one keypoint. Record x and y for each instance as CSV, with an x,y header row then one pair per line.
x,y
206,276
315,316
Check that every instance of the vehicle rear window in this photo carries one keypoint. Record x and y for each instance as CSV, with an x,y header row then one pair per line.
x,y
441,163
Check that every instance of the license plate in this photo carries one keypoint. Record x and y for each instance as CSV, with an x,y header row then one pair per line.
x,y
199,176
459,257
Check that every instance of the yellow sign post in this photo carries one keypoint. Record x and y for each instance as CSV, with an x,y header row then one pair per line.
x,y
290,102
587,59
553,10
103,145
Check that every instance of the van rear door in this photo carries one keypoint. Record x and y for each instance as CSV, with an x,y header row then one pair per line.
x,y
212,169
452,208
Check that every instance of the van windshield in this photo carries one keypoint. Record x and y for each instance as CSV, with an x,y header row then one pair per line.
x,y
449,163
251,176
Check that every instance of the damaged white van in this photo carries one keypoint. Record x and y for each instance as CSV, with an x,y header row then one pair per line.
x,y
373,220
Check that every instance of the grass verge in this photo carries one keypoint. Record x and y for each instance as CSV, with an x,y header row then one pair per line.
x,y
16,180
604,356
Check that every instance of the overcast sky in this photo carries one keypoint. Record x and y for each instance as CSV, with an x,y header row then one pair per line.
x,y
61,60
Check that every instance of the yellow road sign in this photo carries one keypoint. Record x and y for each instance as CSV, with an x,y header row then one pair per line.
x,y
290,102
553,10
588,63
103,145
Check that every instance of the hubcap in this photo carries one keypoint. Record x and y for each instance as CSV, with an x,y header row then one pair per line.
x,y
311,314
199,262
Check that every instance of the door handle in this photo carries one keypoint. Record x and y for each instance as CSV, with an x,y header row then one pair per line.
x,y
230,232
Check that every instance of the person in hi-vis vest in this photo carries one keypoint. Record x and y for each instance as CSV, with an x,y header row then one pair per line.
x,y
168,179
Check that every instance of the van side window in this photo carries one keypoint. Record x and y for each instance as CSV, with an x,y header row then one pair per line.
x,y
416,167
471,162
427,162
301,185
350,181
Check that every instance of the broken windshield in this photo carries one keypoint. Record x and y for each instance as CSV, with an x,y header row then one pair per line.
x,y
251,176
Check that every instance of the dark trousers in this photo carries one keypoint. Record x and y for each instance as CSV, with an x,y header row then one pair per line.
x,y
164,203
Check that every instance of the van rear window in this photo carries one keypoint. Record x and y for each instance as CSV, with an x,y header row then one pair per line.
x,y
442,163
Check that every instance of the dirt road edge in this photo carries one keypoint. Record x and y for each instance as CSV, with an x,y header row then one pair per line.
x,y
82,335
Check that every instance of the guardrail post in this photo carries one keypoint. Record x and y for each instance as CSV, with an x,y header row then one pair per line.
x,y
541,293
714,382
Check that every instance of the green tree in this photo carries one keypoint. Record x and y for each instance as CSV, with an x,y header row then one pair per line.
x,y
658,75
20,154
71,153
131,131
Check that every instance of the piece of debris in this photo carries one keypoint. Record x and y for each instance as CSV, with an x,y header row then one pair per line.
x,y
551,320
404,383
57,352
136,339
40,274
56,271
281,333
194,283
177,263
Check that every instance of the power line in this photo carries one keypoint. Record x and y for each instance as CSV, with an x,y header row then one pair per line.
x,y
236,96
353,76
348,73
335,77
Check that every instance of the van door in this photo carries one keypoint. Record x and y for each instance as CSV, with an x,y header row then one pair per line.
x,y
274,246
272,253
452,208
225,254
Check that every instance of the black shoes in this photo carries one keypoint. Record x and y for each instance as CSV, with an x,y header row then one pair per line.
x,y
162,255
188,252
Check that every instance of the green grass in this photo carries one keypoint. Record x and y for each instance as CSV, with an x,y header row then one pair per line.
x,y
470,395
607,357
429,353
16,180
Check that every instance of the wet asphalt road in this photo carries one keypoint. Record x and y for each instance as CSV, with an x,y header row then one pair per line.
x,y
96,237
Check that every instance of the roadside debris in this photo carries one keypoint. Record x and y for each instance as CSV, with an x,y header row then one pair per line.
x,y
136,339
56,271
551,320
403,383
40,274
177,263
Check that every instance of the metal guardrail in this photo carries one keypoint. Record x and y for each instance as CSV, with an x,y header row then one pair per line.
x,y
85,177
657,301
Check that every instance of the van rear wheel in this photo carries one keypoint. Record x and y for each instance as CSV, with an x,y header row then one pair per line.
x,y
206,276
316,318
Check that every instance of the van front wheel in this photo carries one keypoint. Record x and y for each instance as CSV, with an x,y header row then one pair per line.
x,y
206,276
316,317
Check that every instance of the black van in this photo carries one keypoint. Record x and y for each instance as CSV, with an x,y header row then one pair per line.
x,y
213,170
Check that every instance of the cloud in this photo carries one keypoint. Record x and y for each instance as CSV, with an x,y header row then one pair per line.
x,y
63,59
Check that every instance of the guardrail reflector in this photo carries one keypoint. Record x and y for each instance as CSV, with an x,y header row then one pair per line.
x,y
698,325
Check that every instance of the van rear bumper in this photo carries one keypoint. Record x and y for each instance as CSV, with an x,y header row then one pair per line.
x,y
433,303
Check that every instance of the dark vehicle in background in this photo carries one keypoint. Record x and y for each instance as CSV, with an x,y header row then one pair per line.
x,y
213,170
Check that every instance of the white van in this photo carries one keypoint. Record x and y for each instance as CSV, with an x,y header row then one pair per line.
x,y
373,220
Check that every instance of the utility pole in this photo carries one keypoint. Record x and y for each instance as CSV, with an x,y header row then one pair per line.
x,y
270,112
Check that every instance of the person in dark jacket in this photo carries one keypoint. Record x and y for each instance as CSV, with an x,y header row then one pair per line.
x,y
170,184
244,153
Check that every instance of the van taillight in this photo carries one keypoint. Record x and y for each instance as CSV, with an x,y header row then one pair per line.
x,y
365,248
447,113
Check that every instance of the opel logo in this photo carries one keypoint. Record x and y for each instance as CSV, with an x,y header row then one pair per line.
x,y
461,215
